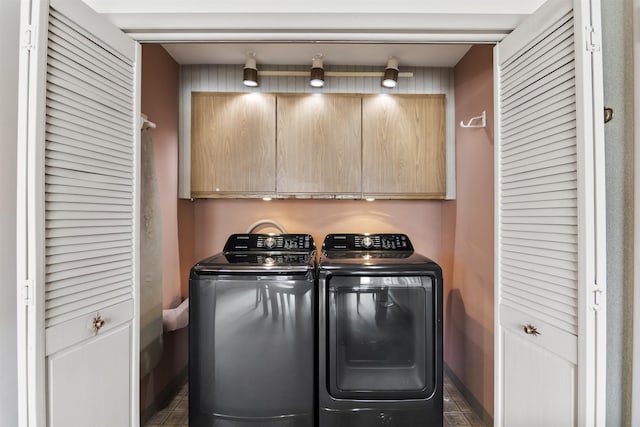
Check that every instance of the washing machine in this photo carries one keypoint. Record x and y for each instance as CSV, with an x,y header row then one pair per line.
x,y
379,333
251,333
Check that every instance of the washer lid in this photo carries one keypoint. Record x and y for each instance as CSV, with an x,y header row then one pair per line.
x,y
262,263
264,254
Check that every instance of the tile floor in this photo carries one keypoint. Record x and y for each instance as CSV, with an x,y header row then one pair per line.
x,y
175,414
457,412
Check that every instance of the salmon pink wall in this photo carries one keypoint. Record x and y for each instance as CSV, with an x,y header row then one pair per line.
x,y
215,220
160,103
186,246
467,242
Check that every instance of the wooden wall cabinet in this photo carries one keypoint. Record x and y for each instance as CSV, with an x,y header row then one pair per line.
x,y
256,144
403,146
319,145
233,145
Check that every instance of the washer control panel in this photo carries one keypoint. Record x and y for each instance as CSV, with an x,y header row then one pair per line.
x,y
269,243
367,242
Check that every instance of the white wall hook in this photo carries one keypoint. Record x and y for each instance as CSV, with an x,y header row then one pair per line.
x,y
470,124
146,123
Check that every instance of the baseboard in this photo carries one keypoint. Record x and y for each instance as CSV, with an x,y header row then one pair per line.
x,y
470,398
165,396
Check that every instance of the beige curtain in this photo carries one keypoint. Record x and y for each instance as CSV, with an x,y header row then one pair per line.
x,y
150,260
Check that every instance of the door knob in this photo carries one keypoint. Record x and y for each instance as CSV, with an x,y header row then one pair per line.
x,y
98,323
608,114
529,329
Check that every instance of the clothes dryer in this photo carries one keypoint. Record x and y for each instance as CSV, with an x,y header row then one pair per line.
x,y
380,333
251,333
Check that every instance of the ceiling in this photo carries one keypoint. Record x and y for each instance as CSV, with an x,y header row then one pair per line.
x,y
334,54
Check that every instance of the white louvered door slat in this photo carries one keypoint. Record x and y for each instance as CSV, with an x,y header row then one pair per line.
x,y
112,127
68,97
85,38
558,105
547,99
84,202
545,217
97,281
96,155
62,129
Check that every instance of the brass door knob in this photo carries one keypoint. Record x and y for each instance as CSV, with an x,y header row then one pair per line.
x,y
529,329
98,323
608,114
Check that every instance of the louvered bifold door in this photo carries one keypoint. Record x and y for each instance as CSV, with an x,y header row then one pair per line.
x,y
540,221
89,219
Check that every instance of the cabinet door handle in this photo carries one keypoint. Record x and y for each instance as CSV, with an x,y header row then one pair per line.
x,y
529,329
98,323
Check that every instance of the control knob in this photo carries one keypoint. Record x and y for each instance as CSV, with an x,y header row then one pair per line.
x,y
269,242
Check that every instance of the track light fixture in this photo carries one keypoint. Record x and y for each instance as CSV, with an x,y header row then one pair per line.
x,y
250,72
390,78
316,78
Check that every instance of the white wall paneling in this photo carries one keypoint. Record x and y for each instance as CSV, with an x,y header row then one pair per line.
x,y
228,78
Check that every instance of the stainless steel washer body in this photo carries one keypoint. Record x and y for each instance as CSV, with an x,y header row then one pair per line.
x,y
251,333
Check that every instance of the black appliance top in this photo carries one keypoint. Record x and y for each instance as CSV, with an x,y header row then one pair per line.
x,y
262,253
269,243
392,253
382,244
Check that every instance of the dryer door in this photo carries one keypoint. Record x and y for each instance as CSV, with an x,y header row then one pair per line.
x,y
382,337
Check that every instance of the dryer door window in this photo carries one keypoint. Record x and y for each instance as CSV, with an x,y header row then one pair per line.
x,y
381,337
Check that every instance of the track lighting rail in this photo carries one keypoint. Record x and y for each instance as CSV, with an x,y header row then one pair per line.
x,y
284,73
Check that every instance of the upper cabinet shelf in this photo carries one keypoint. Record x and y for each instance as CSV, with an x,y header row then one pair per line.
x,y
305,145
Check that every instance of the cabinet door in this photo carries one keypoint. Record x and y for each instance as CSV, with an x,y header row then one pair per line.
x,y
403,146
319,143
232,144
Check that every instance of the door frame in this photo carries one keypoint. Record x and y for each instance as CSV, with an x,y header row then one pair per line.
x,y
635,379
29,343
29,212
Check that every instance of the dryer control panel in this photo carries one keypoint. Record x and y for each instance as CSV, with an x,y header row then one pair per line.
x,y
367,242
